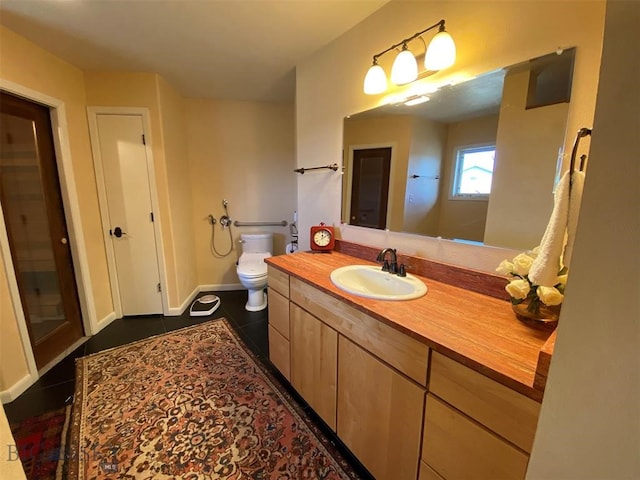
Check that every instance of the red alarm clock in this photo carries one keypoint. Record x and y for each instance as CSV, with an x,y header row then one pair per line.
x,y
322,238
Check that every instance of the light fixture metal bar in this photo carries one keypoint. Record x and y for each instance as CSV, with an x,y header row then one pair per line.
x,y
406,40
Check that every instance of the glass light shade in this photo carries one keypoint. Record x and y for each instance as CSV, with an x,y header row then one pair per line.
x,y
375,81
405,68
441,52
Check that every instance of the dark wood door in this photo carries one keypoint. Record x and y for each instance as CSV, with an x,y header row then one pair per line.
x,y
34,217
370,188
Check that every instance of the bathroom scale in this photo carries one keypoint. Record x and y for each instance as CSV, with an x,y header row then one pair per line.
x,y
204,306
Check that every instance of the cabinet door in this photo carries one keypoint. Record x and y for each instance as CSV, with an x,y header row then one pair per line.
x,y
458,448
314,356
379,414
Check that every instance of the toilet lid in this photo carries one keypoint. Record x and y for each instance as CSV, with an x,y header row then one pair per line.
x,y
252,264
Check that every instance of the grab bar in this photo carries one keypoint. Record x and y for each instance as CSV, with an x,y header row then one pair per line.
x,y
283,223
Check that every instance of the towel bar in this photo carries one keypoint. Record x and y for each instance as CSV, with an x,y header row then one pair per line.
x,y
333,166
583,132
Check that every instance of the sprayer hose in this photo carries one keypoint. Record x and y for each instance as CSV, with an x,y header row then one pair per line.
x,y
214,251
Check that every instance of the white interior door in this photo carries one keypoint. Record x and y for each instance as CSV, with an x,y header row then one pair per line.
x,y
130,213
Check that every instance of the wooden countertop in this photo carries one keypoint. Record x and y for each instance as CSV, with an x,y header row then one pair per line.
x,y
475,329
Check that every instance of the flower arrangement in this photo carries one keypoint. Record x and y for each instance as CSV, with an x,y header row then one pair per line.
x,y
523,291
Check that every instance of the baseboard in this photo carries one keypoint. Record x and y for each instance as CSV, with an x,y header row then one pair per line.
x,y
100,324
221,287
17,388
176,311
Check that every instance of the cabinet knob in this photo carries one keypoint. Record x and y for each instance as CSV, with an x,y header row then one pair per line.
x,y
64,241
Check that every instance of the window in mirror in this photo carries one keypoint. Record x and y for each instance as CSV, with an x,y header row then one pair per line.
x,y
473,172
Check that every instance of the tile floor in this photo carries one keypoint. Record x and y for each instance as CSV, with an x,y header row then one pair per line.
x,y
55,388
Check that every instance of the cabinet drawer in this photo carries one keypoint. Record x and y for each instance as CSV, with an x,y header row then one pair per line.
x,y
458,448
279,352
401,351
506,412
278,280
279,312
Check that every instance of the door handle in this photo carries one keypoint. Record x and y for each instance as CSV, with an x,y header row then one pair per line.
x,y
117,232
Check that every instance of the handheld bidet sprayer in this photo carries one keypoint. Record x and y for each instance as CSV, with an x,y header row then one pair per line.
x,y
225,220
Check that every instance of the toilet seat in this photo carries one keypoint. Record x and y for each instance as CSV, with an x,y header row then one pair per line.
x,y
252,265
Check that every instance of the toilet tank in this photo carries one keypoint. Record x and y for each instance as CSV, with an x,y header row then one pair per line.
x,y
257,242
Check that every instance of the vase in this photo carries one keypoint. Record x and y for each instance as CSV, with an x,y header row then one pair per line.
x,y
545,316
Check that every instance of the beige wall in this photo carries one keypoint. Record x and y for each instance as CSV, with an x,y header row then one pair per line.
x,y
464,218
421,208
488,36
242,152
179,187
589,426
31,67
527,147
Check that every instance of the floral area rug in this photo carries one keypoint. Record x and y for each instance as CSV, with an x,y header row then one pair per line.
x,y
191,404
40,444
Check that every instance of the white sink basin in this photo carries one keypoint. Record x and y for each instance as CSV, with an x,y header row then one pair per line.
x,y
371,282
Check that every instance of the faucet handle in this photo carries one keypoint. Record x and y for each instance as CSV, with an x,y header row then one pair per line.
x,y
385,265
402,272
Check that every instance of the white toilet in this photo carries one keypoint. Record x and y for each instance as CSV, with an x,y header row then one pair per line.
x,y
252,270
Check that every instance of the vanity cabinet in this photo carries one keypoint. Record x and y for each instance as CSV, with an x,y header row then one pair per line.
x,y
368,381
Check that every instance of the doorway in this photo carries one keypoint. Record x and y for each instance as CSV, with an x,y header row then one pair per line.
x,y
36,226
125,178
370,187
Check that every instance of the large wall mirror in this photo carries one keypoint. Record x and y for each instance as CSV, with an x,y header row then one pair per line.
x,y
476,162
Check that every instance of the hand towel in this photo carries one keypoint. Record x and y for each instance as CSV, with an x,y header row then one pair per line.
x,y
545,267
575,199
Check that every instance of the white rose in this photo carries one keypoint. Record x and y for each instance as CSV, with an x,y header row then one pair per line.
x,y
522,264
505,268
550,295
518,289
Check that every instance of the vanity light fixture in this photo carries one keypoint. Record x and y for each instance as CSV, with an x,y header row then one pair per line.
x,y
440,54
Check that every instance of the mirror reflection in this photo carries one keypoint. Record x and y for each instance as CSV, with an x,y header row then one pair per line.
x,y
476,162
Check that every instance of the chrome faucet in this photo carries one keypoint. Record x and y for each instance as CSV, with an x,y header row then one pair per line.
x,y
386,266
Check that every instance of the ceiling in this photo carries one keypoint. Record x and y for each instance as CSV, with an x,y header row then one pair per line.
x,y
226,49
